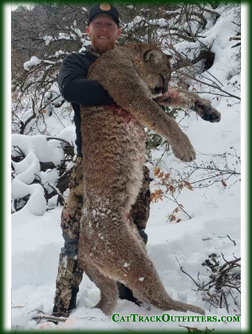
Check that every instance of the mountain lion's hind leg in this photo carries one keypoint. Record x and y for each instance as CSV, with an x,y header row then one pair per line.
x,y
107,286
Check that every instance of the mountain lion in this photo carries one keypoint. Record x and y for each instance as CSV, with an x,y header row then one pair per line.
x,y
113,145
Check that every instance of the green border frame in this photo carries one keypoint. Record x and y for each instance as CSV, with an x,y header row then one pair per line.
x,y
7,60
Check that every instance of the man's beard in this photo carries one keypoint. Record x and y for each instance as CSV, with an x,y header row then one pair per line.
x,y
102,48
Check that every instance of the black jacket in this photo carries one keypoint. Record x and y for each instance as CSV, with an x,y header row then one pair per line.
x,y
76,89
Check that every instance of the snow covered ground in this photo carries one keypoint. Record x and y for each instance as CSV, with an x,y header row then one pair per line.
x,y
215,211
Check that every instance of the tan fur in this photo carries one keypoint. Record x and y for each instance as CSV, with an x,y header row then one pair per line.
x,y
113,144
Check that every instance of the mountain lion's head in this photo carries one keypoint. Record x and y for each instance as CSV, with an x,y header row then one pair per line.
x,y
157,71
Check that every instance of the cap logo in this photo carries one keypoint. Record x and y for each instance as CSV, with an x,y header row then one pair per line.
x,y
105,6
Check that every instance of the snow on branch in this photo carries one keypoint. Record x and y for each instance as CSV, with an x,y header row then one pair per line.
x,y
223,287
29,155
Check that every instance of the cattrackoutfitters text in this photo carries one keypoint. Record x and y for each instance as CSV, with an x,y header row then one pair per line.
x,y
134,317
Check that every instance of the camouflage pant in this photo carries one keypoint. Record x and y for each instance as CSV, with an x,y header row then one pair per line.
x,y
69,272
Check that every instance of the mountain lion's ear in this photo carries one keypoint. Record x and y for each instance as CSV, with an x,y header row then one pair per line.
x,y
154,54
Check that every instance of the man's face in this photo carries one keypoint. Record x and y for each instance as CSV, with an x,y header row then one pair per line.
x,y
103,32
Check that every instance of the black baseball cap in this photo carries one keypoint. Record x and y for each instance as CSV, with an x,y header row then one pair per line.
x,y
103,8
